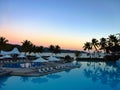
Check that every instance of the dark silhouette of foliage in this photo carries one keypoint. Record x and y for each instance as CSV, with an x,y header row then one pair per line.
x,y
67,58
54,49
27,46
108,45
77,54
3,42
57,49
51,48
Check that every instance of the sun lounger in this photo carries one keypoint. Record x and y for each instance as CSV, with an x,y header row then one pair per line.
x,y
51,68
39,70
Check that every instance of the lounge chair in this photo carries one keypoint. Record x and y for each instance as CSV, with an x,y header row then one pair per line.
x,y
39,70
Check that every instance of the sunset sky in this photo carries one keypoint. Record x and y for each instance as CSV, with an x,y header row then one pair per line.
x,y
67,23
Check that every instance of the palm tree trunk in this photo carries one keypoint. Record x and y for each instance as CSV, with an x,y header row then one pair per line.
x,y
96,51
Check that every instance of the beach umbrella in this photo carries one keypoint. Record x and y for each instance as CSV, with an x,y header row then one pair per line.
x,y
52,58
7,56
37,55
4,52
32,54
40,60
15,51
21,56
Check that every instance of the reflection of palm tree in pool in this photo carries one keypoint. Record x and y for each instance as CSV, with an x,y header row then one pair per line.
x,y
87,73
106,74
3,79
114,82
39,80
68,70
24,79
91,64
53,76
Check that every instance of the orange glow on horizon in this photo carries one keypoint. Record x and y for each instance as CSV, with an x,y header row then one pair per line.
x,y
16,37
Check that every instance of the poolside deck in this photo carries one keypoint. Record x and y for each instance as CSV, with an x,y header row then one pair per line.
x,y
4,72
35,71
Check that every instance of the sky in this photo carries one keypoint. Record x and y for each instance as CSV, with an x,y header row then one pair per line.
x,y
67,23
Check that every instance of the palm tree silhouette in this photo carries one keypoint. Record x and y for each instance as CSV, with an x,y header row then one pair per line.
x,y
113,43
3,42
103,44
57,49
33,48
95,44
113,39
40,49
77,54
87,46
51,49
27,46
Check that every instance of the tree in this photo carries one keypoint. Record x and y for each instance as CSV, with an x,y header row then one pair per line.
x,y
87,46
118,36
103,44
113,44
3,42
40,49
51,48
95,43
33,48
57,49
77,54
67,58
27,46
113,39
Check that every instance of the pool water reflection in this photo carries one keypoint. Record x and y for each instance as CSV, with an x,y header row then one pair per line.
x,y
91,75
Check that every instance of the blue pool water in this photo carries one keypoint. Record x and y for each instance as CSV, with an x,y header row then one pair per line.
x,y
90,76
23,65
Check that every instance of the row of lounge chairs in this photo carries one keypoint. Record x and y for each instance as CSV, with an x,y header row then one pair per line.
x,y
11,61
54,68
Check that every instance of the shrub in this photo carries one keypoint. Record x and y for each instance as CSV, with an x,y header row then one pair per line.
x,y
67,58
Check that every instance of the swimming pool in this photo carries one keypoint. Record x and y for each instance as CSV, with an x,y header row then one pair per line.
x,y
90,76
23,65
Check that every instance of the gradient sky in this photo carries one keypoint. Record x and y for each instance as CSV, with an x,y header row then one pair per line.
x,y
68,23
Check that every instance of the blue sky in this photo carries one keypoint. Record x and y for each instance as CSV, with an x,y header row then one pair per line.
x,y
68,23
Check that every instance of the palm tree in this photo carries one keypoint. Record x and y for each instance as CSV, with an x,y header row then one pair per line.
x,y
40,49
95,44
27,46
77,54
113,43
118,36
51,49
103,44
33,48
87,46
57,49
113,39
3,42
110,44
